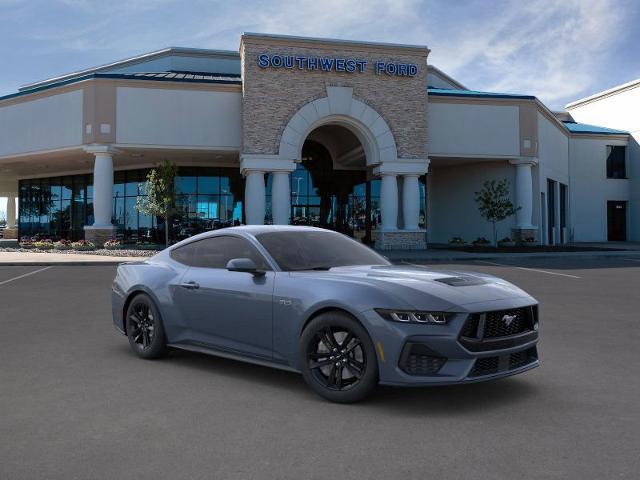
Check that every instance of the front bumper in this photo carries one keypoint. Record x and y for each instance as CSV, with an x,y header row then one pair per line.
x,y
414,355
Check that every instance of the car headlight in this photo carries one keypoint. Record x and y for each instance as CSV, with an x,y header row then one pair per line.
x,y
408,316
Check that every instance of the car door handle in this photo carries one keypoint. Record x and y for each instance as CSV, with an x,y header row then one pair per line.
x,y
190,285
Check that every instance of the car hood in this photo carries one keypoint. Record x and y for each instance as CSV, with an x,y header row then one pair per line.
x,y
432,288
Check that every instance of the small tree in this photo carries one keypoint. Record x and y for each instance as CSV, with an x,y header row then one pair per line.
x,y
494,203
160,194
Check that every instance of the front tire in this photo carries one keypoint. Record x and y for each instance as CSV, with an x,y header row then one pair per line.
x,y
337,358
144,328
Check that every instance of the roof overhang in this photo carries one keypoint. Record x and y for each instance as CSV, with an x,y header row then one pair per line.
x,y
145,57
605,93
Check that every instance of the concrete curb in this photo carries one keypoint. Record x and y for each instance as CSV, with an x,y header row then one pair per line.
x,y
512,256
72,263
426,256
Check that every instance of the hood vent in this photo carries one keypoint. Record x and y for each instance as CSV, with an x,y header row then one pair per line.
x,y
462,281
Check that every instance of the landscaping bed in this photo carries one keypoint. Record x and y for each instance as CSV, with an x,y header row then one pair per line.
x,y
120,252
111,248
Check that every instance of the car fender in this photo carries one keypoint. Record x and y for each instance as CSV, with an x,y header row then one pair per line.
x,y
296,301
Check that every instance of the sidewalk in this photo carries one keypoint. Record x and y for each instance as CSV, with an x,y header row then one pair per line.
x,y
626,251
429,255
37,259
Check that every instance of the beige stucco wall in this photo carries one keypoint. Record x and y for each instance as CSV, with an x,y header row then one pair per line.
x,y
473,129
178,117
43,123
272,96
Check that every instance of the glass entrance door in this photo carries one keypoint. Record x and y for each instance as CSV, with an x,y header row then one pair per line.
x,y
339,200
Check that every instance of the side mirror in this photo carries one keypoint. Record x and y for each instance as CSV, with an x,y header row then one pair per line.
x,y
243,265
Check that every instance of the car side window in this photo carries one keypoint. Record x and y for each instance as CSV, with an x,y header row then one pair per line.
x,y
215,252
184,254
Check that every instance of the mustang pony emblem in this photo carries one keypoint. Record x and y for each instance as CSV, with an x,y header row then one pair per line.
x,y
508,319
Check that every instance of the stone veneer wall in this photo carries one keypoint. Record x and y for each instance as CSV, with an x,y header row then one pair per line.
x,y
401,240
271,96
98,235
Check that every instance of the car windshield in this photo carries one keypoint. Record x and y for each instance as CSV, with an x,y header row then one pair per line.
x,y
316,250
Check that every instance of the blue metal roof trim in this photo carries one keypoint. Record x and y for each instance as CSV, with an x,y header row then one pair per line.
x,y
228,79
445,92
575,127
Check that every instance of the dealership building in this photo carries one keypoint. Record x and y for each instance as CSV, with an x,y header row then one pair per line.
x,y
364,138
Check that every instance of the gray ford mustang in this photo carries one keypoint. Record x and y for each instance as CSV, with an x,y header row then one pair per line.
x,y
317,302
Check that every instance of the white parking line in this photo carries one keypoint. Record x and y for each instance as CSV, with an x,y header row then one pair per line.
x,y
25,275
528,269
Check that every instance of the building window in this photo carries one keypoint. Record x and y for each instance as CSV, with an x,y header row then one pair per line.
x,y
56,207
60,207
616,161
564,200
422,221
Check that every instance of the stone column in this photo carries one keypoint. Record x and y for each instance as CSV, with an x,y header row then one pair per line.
x,y
254,197
281,198
389,202
11,212
102,228
524,197
410,237
411,201
11,232
253,167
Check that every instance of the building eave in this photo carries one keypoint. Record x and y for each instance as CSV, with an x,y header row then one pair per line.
x,y
130,61
115,76
447,77
603,94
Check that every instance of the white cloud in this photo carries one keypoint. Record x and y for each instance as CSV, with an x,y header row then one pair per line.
x,y
553,49
549,48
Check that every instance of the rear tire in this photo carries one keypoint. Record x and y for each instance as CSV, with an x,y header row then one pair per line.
x,y
337,358
144,328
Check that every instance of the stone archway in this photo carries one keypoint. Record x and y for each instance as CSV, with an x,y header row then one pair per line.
x,y
340,108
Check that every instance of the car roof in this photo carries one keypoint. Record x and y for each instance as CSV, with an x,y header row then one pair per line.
x,y
256,229
251,230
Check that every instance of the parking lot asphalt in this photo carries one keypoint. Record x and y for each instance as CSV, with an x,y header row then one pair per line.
x,y
76,403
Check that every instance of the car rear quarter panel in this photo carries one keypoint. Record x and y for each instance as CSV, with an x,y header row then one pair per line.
x,y
156,280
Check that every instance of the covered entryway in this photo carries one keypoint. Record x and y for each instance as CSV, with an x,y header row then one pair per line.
x,y
332,186
336,157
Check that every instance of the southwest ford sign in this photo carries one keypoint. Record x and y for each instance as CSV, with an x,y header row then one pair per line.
x,y
334,64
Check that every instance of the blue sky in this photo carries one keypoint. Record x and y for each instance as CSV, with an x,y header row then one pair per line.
x,y
557,50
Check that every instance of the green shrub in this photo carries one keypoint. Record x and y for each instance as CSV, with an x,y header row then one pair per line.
x,y
83,245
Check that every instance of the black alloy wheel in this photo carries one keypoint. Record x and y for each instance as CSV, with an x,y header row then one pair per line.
x,y
144,328
338,359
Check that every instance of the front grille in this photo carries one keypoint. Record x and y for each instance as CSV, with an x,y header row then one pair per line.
x,y
485,366
499,329
504,323
418,359
503,363
520,359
